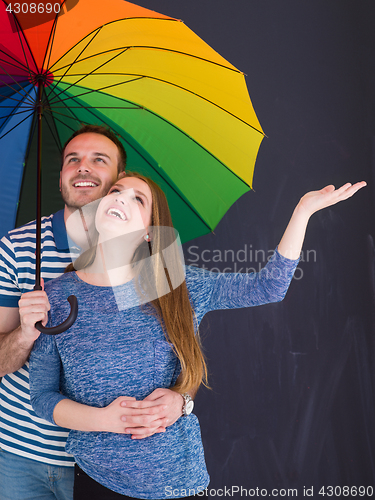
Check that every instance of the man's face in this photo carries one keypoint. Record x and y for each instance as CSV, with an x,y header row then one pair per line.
x,y
89,170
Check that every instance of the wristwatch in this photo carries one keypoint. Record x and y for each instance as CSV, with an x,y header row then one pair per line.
x,y
188,405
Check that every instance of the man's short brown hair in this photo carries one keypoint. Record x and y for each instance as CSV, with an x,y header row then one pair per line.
x,y
99,129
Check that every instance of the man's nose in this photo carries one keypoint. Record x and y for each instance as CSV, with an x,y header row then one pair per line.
x,y
84,166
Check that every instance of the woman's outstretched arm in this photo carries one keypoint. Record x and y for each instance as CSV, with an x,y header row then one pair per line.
x,y
290,245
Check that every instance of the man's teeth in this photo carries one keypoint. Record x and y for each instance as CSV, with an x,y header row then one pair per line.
x,y
117,213
85,184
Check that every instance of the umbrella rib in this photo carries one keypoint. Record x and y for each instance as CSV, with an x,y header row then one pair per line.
x,y
68,68
15,90
98,107
74,117
14,108
16,100
49,44
9,116
89,108
157,79
15,126
65,107
31,135
19,65
57,142
91,72
51,38
136,77
198,144
235,70
27,153
22,46
136,106
5,117
166,121
182,198
141,46
67,116
104,25
56,119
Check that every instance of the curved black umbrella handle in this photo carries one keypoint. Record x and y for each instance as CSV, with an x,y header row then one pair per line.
x,y
65,324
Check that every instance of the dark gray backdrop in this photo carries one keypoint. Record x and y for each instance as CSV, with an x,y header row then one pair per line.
x,y
291,404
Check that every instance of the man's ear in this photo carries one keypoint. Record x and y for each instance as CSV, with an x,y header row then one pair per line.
x,y
121,175
60,181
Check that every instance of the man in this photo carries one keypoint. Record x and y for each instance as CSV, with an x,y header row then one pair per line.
x,y
33,462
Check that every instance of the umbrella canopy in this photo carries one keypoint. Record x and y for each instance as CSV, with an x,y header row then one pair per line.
x,y
181,110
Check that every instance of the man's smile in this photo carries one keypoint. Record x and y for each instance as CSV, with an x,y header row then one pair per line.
x,y
84,184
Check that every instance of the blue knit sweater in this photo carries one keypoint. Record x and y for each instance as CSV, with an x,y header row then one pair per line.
x,y
109,353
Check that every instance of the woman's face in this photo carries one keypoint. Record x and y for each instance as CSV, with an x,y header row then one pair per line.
x,y
127,208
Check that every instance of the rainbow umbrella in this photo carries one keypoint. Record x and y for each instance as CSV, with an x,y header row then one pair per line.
x,y
182,111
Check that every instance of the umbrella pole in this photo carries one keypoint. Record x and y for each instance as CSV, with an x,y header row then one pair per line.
x,y
39,188
38,239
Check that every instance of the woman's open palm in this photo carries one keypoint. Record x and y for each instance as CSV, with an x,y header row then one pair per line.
x,y
316,200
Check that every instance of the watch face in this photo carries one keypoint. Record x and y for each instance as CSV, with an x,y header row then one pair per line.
x,y
189,407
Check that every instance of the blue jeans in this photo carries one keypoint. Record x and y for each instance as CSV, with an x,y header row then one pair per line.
x,y
25,479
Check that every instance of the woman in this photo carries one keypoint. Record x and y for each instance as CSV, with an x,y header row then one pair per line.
x,y
122,345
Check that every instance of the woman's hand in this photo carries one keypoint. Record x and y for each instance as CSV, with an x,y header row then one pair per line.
x,y
113,418
316,200
160,409
80,417
290,245
126,415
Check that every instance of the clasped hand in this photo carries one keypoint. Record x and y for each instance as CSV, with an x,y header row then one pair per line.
x,y
144,418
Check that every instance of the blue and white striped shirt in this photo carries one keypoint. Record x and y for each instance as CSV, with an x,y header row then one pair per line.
x,y
21,431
